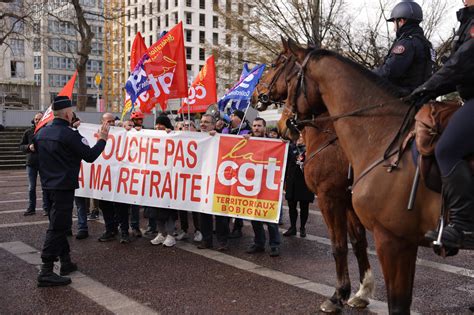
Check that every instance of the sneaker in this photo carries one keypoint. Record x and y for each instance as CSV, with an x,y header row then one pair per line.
x,y
29,212
182,235
255,249
158,240
82,235
169,241
94,215
197,236
137,233
45,213
235,234
106,237
274,252
124,238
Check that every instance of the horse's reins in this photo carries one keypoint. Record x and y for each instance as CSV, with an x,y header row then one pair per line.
x,y
263,97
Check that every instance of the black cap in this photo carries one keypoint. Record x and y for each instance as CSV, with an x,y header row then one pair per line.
x,y
61,102
239,114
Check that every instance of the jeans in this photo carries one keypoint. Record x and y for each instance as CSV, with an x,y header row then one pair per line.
x,y
81,206
135,217
259,239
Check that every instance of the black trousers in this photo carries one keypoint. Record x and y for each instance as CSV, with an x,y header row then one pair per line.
x,y
222,228
183,218
113,212
60,221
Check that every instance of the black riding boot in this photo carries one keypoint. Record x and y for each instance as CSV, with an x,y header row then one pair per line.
x,y
67,266
47,278
459,199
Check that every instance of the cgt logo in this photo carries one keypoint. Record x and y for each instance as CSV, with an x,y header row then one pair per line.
x,y
195,93
250,169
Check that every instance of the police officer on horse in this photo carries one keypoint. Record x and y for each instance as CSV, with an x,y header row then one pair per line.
x,y
60,151
456,143
409,61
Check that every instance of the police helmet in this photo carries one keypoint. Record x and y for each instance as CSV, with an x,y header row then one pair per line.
x,y
407,9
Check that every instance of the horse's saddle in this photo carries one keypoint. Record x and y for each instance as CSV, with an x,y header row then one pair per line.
x,y
430,122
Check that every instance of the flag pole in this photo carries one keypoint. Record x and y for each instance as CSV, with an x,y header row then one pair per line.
x,y
245,114
189,112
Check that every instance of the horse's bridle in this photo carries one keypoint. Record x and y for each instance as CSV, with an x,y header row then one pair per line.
x,y
264,98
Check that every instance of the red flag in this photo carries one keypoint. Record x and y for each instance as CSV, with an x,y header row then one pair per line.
x,y
202,92
138,50
166,69
66,91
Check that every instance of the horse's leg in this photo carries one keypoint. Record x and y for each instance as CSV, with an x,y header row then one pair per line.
x,y
334,213
397,257
359,246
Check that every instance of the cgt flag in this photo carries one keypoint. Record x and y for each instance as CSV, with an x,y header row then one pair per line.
x,y
161,72
242,91
202,92
66,91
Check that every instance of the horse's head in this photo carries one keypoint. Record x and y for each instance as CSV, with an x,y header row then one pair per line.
x,y
272,88
304,101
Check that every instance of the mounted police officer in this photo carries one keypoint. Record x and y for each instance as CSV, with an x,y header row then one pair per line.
x,y
456,142
409,61
61,150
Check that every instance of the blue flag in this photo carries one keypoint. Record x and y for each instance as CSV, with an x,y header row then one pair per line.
x,y
241,93
137,82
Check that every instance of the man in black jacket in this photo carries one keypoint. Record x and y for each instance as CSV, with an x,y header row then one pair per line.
x,y
456,142
409,62
32,166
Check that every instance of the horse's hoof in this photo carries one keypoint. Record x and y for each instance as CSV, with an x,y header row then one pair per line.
x,y
329,307
357,302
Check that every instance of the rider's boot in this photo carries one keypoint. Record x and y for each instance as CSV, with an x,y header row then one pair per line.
x,y
459,199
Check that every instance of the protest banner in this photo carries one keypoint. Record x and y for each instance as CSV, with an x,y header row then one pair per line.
x,y
222,174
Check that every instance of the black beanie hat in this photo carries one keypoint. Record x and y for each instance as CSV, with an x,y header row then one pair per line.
x,y
239,114
61,102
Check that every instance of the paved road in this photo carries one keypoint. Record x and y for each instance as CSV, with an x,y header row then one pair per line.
x,y
138,278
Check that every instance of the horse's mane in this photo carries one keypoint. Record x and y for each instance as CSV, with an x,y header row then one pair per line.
x,y
371,76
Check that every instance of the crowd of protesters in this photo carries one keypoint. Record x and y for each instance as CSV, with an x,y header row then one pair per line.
x,y
166,226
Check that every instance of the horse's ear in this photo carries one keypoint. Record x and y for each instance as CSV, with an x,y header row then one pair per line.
x,y
296,50
284,42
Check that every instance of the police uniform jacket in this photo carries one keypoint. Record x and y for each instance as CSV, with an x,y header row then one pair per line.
x,y
31,156
409,61
61,149
458,72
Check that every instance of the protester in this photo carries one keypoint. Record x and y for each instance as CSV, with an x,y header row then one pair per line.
x,y
137,118
273,133
114,210
32,167
258,130
208,124
296,189
128,125
61,150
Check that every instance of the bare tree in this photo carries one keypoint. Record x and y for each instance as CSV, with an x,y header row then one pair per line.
x,y
15,16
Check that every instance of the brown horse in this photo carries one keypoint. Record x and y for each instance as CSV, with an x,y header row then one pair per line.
x,y
367,115
326,175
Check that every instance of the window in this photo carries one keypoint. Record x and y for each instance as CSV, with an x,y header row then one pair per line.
x,y
36,28
200,67
215,21
202,54
189,67
189,53
150,7
202,37
189,17
128,15
202,4
228,6
38,79
176,18
189,3
17,69
128,2
158,22
143,10
135,12
215,38
150,24
240,41
17,47
150,41
37,62
158,5
143,26
37,44
227,39
189,35
129,46
241,8
202,19
129,30
135,28
166,5
175,3
215,4
167,20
